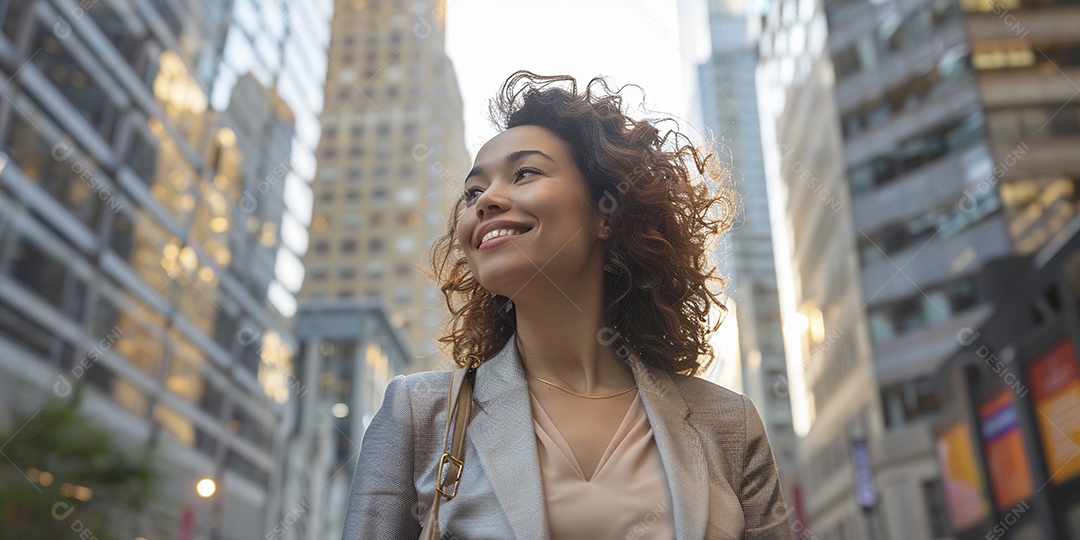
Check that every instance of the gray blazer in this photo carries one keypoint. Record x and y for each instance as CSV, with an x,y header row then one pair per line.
x,y
717,459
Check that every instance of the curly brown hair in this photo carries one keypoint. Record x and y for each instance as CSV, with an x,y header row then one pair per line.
x,y
664,219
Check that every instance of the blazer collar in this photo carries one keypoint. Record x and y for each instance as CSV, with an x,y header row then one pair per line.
x,y
507,445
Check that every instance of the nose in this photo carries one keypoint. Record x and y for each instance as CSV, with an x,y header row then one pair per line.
x,y
492,200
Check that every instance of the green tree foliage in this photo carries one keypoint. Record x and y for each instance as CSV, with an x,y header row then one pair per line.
x,y
62,476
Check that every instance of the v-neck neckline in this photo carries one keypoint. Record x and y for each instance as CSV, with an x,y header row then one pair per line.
x,y
568,453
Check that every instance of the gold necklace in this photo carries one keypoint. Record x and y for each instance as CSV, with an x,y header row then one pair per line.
x,y
571,392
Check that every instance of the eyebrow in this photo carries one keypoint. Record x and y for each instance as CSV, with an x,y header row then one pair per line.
x,y
510,158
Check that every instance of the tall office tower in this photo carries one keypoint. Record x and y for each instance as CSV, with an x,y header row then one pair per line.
x,y
348,353
834,395
729,107
960,129
392,158
153,205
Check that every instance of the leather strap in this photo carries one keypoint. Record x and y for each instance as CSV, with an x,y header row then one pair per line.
x,y
458,411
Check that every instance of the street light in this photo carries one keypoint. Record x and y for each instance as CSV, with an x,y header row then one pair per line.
x,y
206,488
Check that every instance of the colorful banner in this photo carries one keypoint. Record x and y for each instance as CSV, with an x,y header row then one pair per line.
x,y
963,483
1003,445
1055,385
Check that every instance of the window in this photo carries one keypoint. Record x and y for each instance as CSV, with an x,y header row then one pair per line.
x,y
322,247
916,152
328,175
41,272
936,508
376,245
376,269
75,83
913,313
405,244
74,181
26,332
348,246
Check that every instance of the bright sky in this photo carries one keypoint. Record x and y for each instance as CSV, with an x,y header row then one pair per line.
x,y
631,41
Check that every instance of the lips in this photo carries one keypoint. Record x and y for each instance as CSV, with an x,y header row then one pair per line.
x,y
499,229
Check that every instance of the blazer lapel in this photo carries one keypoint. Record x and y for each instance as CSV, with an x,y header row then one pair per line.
x,y
502,433
679,446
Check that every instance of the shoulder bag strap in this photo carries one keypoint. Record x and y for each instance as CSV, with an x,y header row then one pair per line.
x,y
458,411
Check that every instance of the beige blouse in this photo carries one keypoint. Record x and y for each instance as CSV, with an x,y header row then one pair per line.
x,y
628,496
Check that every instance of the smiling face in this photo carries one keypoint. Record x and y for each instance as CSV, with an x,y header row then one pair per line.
x,y
526,210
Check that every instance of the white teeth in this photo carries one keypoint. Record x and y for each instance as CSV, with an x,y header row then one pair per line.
x,y
497,233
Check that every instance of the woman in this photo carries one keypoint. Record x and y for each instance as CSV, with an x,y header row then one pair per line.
x,y
577,274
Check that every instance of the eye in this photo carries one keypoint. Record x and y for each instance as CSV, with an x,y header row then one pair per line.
x,y
470,194
522,172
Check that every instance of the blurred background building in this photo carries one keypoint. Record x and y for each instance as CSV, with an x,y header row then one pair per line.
x,y
154,202
349,351
391,159
729,109
954,122
830,371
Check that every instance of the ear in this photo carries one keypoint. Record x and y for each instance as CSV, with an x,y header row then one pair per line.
x,y
604,229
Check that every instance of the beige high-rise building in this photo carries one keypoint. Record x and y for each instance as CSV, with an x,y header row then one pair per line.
x,y
390,159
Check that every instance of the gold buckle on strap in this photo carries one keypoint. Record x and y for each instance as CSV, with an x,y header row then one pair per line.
x,y
439,476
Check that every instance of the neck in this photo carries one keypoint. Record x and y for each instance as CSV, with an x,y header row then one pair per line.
x,y
558,336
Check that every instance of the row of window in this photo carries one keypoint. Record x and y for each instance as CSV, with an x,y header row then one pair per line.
x,y
950,71
941,222
1039,207
380,175
374,270
120,323
357,150
378,196
893,35
377,219
1024,54
382,130
996,6
403,244
915,152
1034,121
927,307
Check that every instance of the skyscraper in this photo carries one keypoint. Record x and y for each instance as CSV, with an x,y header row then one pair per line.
x,y
833,389
391,156
729,107
957,119
958,126
154,194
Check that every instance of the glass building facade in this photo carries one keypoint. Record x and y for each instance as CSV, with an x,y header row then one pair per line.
x,y
154,203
